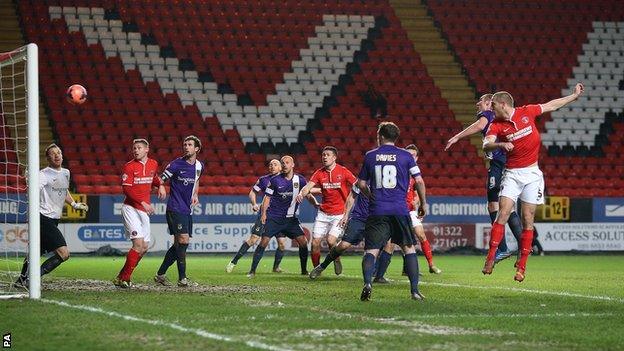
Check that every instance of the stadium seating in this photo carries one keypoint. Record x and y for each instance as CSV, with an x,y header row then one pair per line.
x,y
253,79
539,52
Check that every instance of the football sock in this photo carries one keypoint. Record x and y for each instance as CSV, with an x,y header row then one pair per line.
x,y
426,249
181,253
493,216
526,245
24,273
382,263
515,225
497,233
502,246
279,253
256,258
316,258
132,259
170,257
368,266
411,263
303,258
243,249
333,254
51,263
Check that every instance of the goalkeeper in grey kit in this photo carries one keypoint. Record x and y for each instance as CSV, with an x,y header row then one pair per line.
x,y
53,194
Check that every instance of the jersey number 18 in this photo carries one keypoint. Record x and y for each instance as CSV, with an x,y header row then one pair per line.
x,y
385,176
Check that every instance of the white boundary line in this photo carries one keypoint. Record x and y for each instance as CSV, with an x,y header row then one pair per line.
x,y
516,315
198,332
541,292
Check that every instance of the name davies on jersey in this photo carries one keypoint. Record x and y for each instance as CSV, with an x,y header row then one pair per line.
x,y
385,158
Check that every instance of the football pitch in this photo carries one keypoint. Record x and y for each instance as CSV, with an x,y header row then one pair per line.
x,y
565,303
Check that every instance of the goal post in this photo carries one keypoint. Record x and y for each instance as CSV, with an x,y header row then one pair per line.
x,y
19,99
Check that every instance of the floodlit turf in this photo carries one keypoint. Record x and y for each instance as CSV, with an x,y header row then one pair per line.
x,y
565,303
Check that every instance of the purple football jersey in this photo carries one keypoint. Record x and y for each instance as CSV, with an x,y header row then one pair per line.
x,y
388,169
360,206
183,177
262,183
283,193
498,154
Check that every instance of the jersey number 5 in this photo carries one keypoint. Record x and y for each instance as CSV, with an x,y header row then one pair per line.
x,y
385,176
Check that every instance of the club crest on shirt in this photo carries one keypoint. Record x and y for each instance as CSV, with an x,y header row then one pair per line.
x,y
124,177
295,185
179,226
525,119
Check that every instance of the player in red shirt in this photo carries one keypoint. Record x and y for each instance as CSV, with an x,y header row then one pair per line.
x,y
515,132
138,178
413,202
335,182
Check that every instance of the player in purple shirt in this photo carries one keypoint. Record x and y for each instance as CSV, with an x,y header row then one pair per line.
x,y
497,158
279,213
183,175
387,171
275,167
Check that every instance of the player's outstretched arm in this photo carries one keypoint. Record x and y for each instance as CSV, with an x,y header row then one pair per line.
x,y
474,128
419,185
556,104
305,191
253,199
490,144
364,190
349,202
265,205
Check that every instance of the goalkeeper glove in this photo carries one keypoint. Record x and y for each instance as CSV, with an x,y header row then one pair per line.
x,y
80,206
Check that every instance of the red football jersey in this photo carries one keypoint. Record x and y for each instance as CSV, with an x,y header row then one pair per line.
x,y
137,181
335,187
522,132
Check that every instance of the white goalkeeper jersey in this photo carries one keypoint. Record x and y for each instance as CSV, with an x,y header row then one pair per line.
x,y
53,187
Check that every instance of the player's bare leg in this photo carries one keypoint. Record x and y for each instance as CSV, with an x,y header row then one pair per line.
x,y
331,242
411,265
526,241
264,242
279,254
498,231
426,248
333,254
136,252
251,241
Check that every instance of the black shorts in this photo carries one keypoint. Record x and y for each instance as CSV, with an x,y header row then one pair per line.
x,y
381,228
258,228
495,174
179,223
354,232
290,227
51,236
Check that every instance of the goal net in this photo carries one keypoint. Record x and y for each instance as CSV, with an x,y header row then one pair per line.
x,y
19,170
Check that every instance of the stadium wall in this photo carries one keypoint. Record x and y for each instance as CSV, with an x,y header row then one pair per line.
x,y
222,223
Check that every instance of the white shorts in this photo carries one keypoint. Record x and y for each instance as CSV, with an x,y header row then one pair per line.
x,y
136,223
414,217
326,224
526,183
